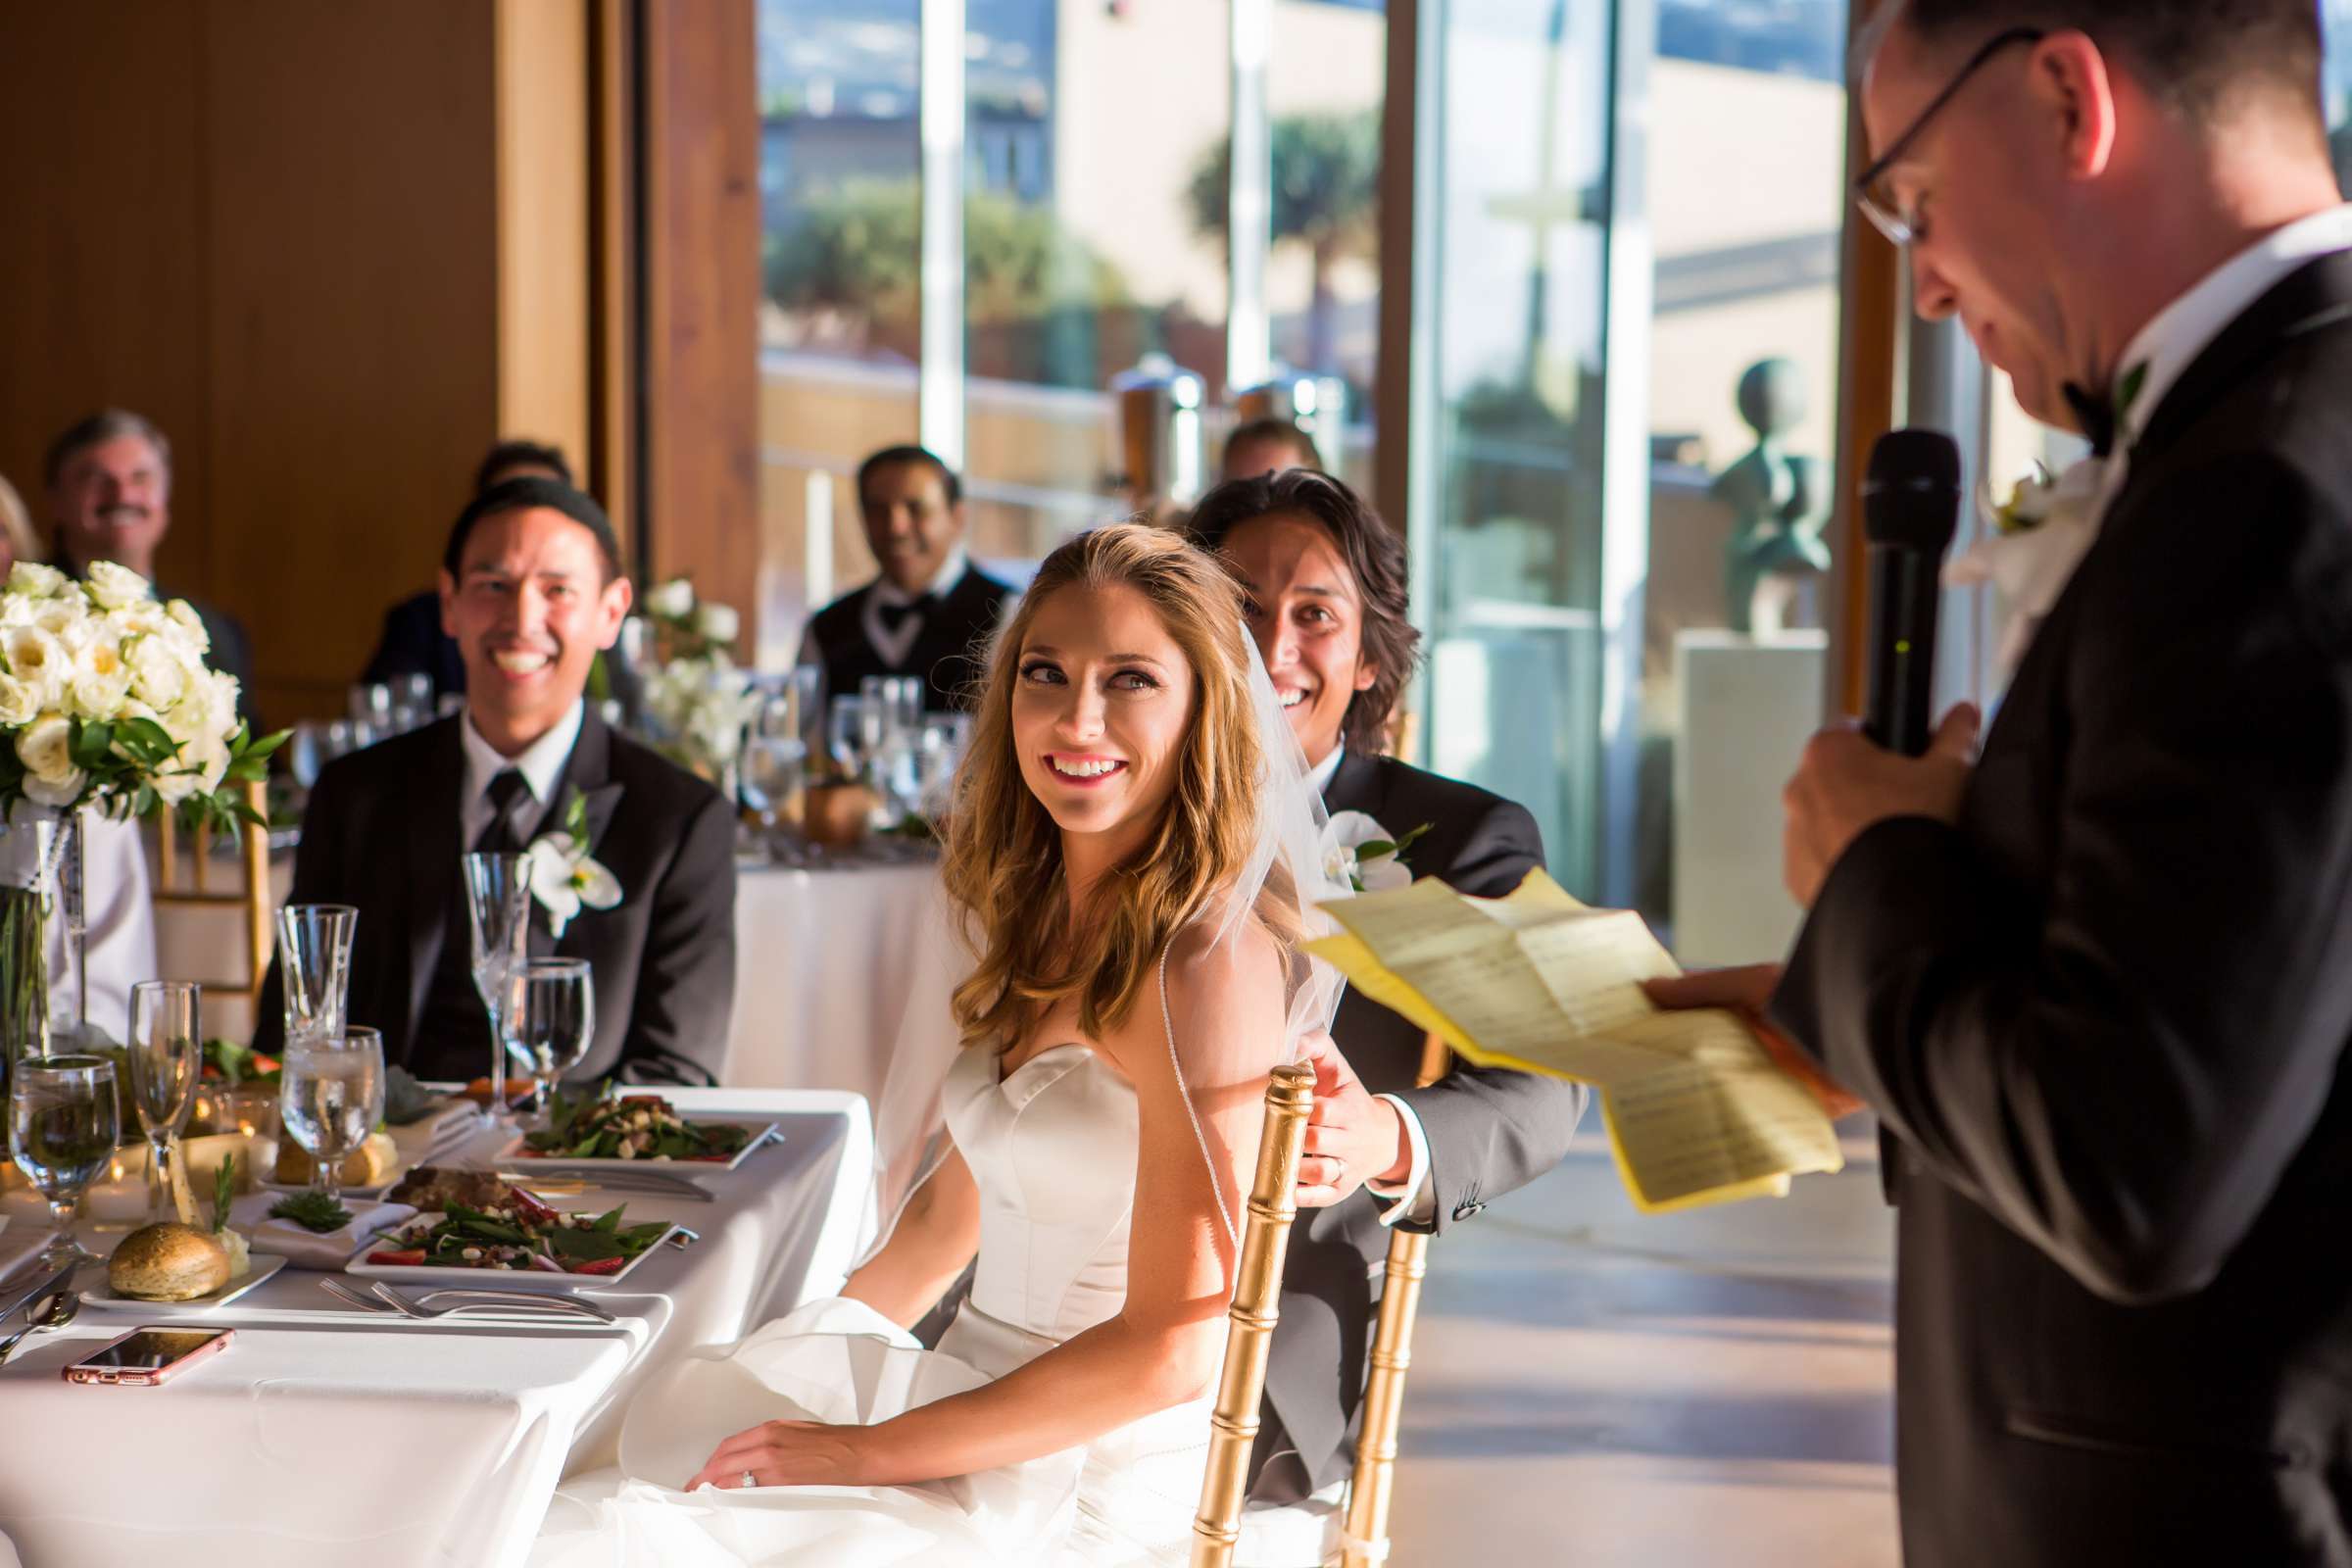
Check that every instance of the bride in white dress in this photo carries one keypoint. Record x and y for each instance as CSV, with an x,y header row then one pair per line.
x,y
1128,868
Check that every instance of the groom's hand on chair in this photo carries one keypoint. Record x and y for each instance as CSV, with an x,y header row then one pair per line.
x,y
1352,1138
783,1453
1745,991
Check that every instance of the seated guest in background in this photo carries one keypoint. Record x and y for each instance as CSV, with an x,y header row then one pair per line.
x,y
413,642
931,611
1268,446
531,589
18,541
1326,585
109,499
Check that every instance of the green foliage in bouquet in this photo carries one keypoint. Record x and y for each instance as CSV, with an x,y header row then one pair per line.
x,y
125,759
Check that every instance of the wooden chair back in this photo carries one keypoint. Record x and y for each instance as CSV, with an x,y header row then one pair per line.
x,y
256,899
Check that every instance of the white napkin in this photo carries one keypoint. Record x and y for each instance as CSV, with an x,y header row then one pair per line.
x,y
421,1143
308,1248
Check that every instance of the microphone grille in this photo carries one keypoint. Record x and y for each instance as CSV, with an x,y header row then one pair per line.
x,y
1911,491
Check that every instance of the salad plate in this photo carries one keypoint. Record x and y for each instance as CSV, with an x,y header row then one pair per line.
x,y
539,1246
635,1132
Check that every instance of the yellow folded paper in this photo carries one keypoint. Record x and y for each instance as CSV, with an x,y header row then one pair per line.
x,y
1695,1111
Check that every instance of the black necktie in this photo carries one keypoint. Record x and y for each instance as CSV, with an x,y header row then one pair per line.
x,y
503,833
895,616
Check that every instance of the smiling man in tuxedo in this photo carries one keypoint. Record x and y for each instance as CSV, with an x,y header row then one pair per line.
x,y
531,589
1325,578
930,612
2098,983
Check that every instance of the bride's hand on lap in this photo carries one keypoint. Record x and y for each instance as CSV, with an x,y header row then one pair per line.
x,y
1352,1138
783,1453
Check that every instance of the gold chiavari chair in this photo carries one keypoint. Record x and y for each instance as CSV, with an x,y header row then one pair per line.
x,y
1241,1391
256,899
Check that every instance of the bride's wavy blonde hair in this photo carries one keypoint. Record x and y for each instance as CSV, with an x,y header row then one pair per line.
x,y
1003,856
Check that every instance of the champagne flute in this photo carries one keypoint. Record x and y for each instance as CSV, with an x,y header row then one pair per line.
x,y
331,1097
549,1018
498,899
167,1038
62,1128
313,951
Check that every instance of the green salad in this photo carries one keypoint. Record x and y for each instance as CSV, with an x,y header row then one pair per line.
x,y
521,1233
631,1127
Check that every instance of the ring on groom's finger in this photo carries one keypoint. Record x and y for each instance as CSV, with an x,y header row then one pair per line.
x,y
748,1479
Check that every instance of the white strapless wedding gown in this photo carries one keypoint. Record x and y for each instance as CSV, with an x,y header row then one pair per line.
x,y
1052,1149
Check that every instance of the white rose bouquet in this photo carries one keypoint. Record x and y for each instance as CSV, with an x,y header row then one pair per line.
x,y
105,702
698,699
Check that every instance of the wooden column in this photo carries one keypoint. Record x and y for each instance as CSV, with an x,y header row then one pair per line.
x,y
700,155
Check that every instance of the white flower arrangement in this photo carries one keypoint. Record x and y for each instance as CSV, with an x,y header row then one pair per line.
x,y
697,697
106,700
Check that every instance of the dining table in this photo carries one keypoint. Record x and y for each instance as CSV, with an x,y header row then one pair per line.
x,y
327,1433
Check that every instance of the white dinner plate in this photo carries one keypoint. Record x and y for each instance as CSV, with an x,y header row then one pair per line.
x,y
97,1291
492,1279
515,1156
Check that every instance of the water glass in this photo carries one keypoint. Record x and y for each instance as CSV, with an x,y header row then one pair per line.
x,y
497,901
844,735
62,1129
313,956
331,1098
550,1018
372,706
306,753
167,1056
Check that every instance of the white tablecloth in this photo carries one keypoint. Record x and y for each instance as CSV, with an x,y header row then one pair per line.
x,y
324,1436
820,970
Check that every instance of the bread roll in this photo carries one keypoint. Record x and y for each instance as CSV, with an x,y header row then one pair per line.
x,y
167,1263
370,1165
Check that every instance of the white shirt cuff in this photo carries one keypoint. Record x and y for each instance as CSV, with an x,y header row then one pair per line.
x,y
1415,1198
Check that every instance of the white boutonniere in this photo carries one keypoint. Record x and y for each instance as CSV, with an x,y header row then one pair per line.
x,y
1366,855
2035,541
565,877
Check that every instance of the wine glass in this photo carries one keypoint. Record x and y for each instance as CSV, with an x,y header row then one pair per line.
x,y
549,1018
62,1128
845,734
167,1038
774,756
331,1097
498,898
313,951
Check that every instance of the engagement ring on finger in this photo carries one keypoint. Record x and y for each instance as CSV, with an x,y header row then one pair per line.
x,y
748,1479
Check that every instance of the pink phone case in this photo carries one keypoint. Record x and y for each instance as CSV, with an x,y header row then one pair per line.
x,y
146,1377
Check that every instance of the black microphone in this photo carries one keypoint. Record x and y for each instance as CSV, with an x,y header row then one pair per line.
x,y
1910,511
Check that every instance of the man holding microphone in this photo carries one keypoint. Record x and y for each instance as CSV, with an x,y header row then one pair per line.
x,y
2098,982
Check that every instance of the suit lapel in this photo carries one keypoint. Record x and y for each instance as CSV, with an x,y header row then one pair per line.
x,y
432,889
1356,786
589,770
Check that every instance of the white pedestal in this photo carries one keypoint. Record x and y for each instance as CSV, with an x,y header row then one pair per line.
x,y
1748,709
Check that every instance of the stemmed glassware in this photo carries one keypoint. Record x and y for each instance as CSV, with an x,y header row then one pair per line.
x,y
166,1049
314,949
775,757
62,1129
331,1097
498,898
844,735
549,1018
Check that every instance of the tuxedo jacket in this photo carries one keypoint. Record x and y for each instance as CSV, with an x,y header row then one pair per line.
x,y
2105,1016
1489,1131
381,833
948,652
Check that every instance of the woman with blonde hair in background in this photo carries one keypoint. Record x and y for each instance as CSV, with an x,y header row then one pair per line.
x,y
1130,861
18,541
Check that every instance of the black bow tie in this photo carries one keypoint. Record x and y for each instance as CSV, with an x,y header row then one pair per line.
x,y
895,616
2095,414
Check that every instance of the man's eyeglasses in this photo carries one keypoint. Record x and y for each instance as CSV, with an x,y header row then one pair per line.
x,y
1874,192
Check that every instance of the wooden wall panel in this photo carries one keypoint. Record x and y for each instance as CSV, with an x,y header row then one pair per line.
x,y
543,235
702,279
355,317
103,268
1870,325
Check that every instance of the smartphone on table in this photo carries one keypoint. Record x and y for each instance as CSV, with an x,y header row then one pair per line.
x,y
146,1357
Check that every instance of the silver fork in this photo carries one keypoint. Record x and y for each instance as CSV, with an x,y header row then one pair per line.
x,y
514,1301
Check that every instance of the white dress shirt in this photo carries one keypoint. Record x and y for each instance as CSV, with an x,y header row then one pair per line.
x,y
119,927
541,765
1414,1197
2177,335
